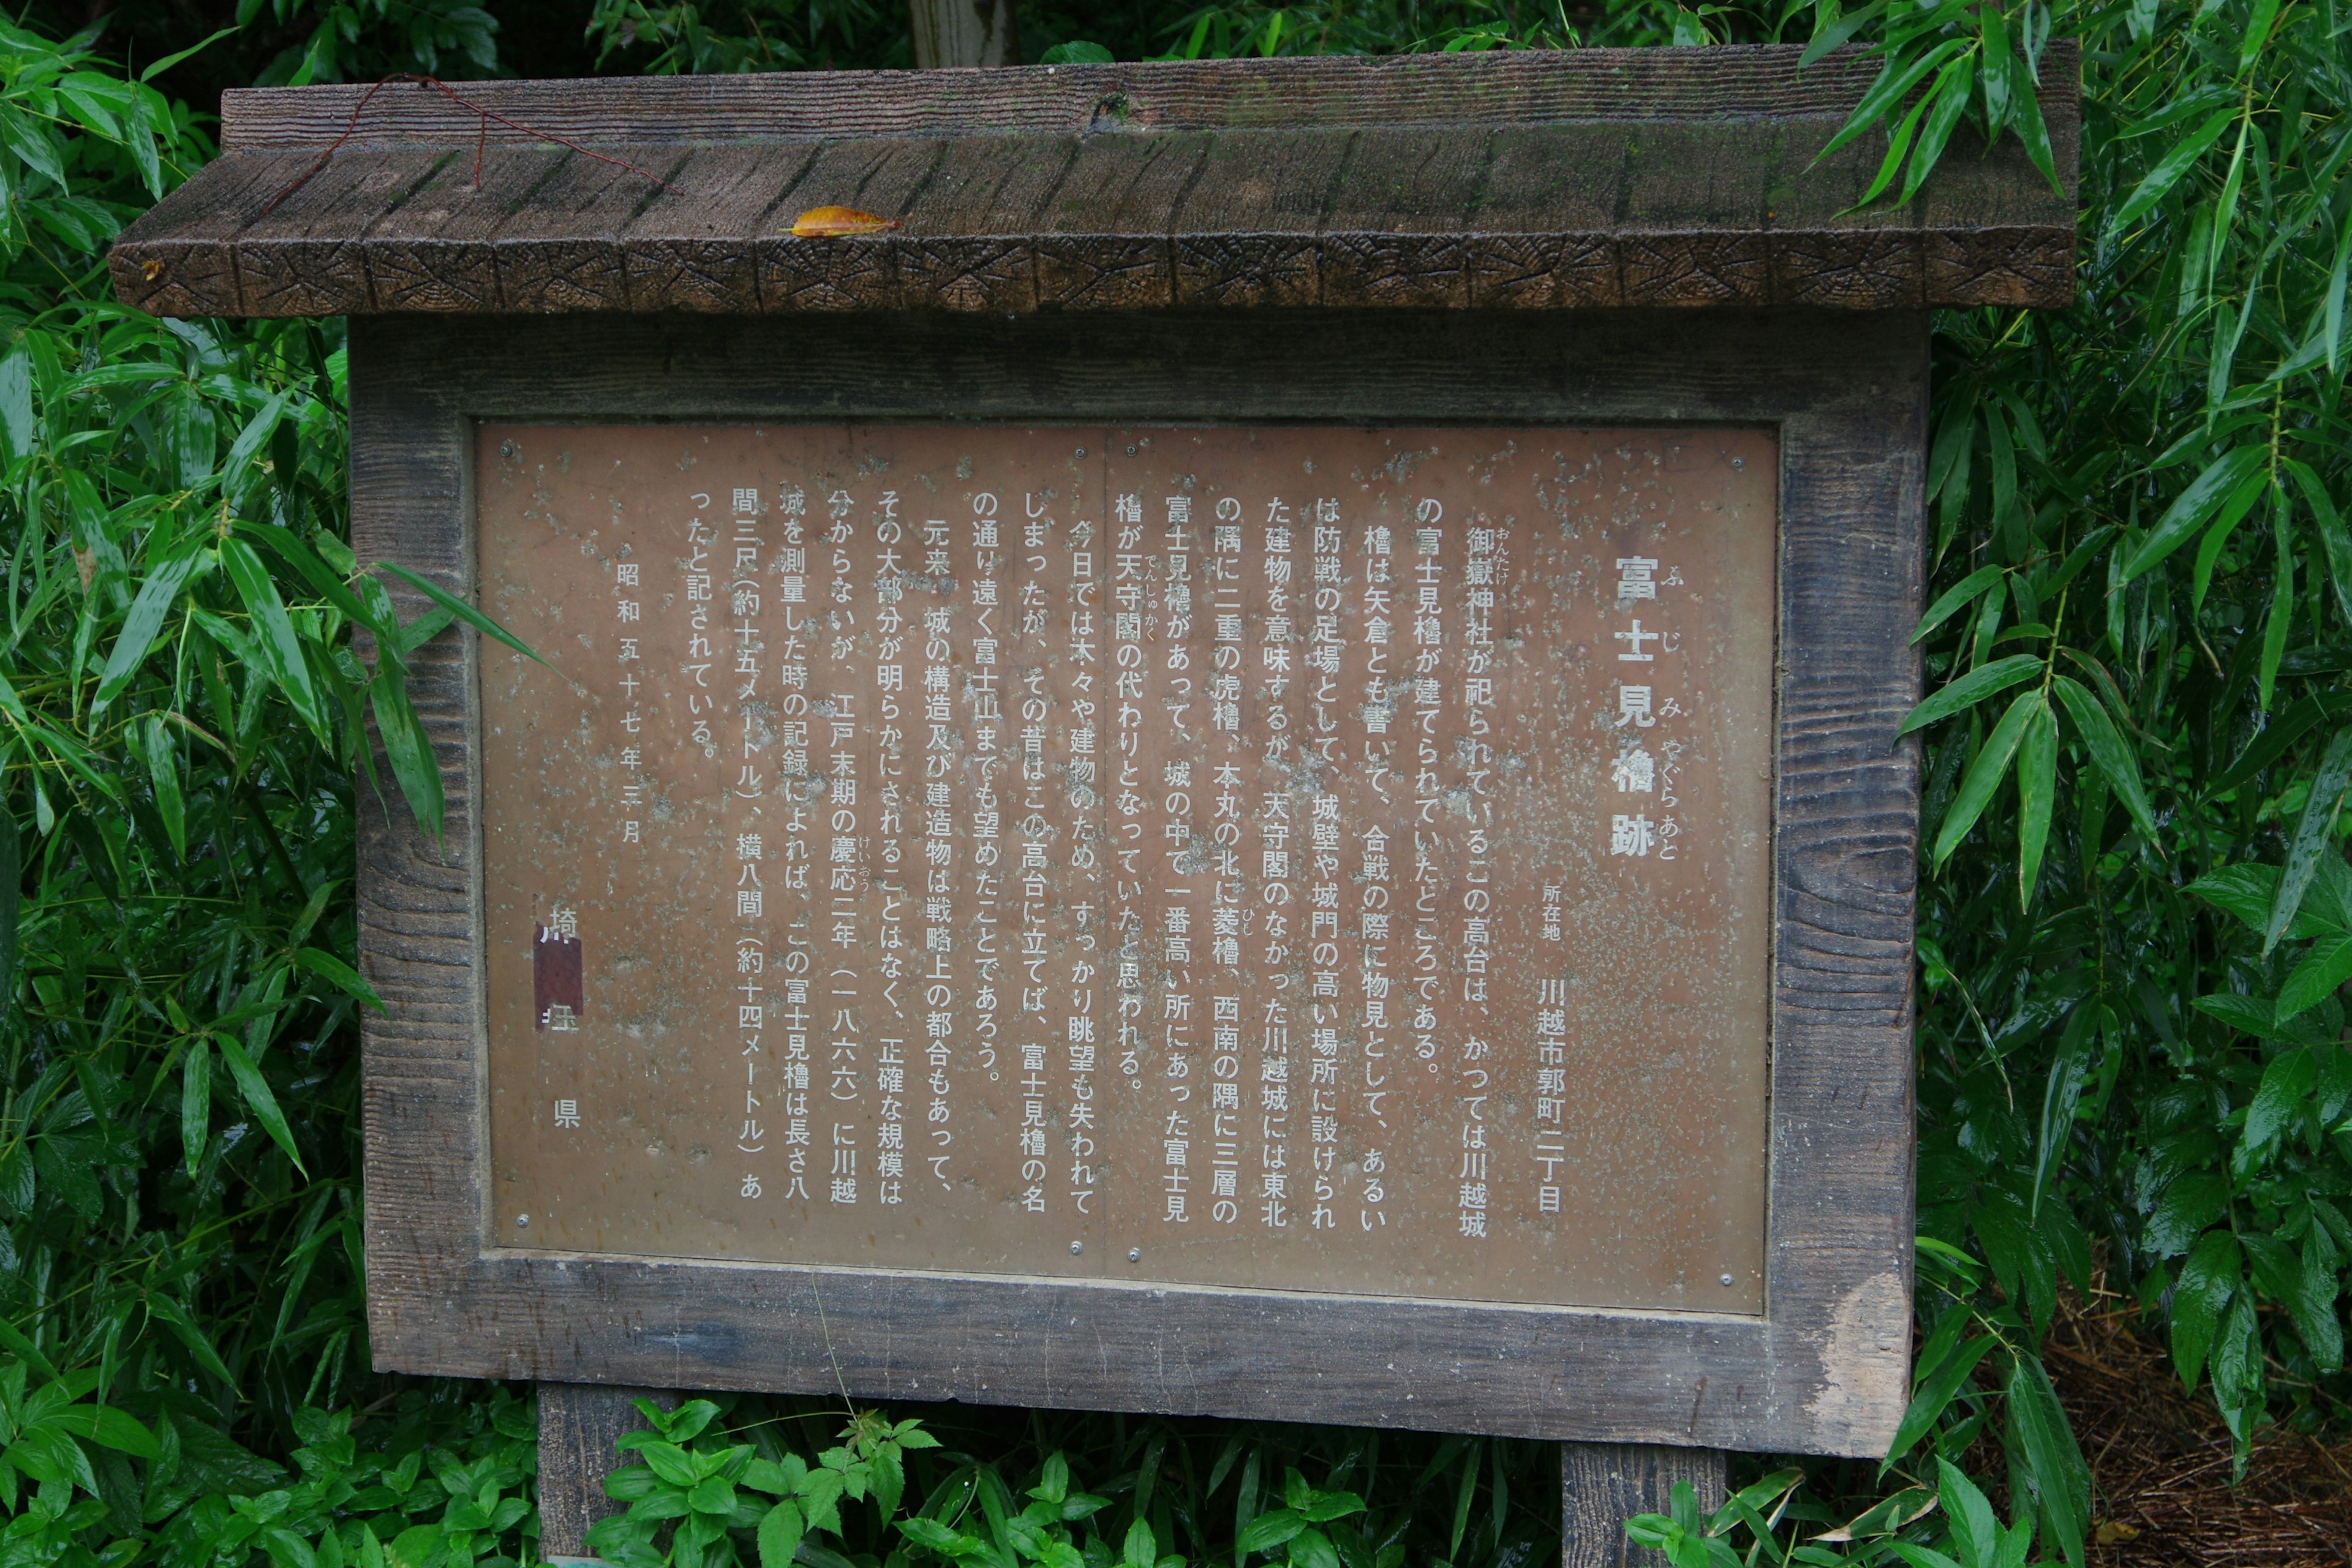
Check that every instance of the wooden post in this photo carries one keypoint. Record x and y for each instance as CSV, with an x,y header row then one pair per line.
x,y
578,1425
1602,1485
963,32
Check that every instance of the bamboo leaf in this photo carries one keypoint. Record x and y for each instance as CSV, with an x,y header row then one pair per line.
x,y
461,608
2114,758
1987,681
2194,507
259,1099
1893,84
2037,785
163,760
196,1104
2312,837
2177,162
408,749
1984,775
1956,597
276,646
1953,90
153,602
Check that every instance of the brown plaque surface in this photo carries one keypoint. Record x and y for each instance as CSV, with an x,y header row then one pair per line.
x,y
1301,858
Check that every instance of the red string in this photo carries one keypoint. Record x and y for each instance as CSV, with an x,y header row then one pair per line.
x,y
481,144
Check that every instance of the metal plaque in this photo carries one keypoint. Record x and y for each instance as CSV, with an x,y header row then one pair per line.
x,y
1297,857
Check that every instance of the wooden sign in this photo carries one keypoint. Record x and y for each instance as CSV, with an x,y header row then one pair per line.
x,y
1326,858
1246,765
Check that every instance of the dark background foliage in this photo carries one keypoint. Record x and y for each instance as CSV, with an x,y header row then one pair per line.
x,y
2136,913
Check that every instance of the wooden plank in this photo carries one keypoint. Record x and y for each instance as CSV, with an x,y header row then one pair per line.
x,y
1730,84
1602,1485
432,251
578,1425
1102,241
1393,226
966,244
309,254
859,273
692,248
1533,183
1246,232
1824,1371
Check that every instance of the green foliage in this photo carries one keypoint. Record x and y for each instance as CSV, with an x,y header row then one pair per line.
x,y
721,1486
2137,911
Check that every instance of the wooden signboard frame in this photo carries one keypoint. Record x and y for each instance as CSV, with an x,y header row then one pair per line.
x,y
1823,1369
1593,240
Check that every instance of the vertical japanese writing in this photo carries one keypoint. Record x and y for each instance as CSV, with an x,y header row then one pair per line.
x,y
937,865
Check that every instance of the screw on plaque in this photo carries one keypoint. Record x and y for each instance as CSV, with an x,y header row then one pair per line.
x,y
523,1219
1076,1247
1727,1280
1135,1254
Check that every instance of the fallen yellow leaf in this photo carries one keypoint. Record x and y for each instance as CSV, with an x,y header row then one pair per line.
x,y
832,223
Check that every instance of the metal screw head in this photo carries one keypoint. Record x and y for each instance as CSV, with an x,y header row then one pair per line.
x,y
523,1220
1135,1254
1727,1280
1076,1247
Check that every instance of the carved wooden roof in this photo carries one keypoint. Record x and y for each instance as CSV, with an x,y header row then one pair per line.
x,y
1532,179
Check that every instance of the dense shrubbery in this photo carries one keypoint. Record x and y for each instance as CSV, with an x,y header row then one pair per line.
x,y
2137,911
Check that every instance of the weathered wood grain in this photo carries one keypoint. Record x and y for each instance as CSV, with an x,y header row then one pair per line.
x,y
1602,1485
578,1425
1749,84
1540,181
1825,1370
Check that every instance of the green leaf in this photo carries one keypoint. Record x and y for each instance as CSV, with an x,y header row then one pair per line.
x,y
276,646
258,1098
1270,1530
1974,1531
2327,965
1077,52
2054,1469
1985,682
712,1494
2114,760
2250,1014
12,896
343,976
1935,1394
408,749
2190,1203
162,759
107,1426
175,1318
1985,774
154,601
196,1104
2225,522
1962,593
2279,1104
2178,160
18,429
1955,86
2037,785
1894,85
2194,507
2207,1282
925,1533
157,68
2245,890
459,609
2312,837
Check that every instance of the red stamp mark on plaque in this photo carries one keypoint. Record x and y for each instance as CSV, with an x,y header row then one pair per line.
x,y
557,987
